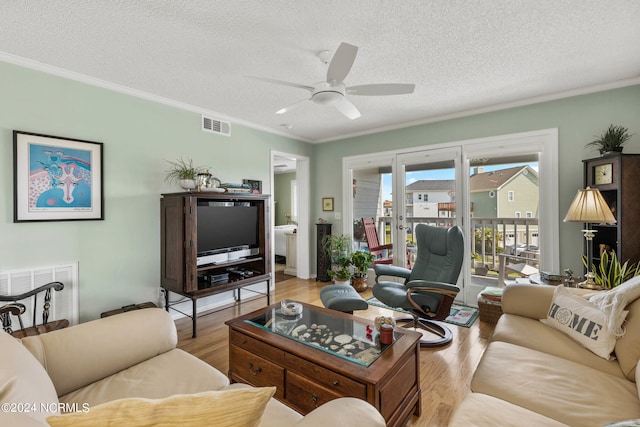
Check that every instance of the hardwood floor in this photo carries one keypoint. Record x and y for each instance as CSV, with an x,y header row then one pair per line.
x,y
445,373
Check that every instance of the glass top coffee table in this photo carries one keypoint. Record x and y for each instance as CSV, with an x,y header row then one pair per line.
x,y
319,355
352,339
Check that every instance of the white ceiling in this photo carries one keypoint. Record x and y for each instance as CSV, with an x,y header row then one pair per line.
x,y
462,55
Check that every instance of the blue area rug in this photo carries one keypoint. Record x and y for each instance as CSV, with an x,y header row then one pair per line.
x,y
460,315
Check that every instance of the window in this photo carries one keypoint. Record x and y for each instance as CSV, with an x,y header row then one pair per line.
x,y
518,214
511,196
528,214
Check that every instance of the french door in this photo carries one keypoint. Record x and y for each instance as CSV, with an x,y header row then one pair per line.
x,y
426,188
399,191
463,184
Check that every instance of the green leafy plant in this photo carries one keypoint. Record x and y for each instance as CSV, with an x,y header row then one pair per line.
x,y
336,245
610,272
341,270
338,248
361,261
182,169
611,140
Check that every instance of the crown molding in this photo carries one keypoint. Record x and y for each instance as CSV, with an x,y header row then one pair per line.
x,y
92,81
496,107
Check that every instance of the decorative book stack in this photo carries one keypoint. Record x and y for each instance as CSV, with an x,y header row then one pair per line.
x,y
235,188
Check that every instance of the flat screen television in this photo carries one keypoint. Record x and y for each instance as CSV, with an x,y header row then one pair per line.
x,y
226,226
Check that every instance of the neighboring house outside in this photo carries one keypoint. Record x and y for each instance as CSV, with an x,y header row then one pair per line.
x,y
504,193
507,193
424,196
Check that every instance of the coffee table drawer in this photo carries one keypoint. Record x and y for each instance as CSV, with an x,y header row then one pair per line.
x,y
306,395
255,370
335,382
255,346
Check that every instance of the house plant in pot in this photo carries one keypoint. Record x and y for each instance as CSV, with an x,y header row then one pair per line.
x,y
183,173
337,245
610,272
611,140
361,262
338,248
341,270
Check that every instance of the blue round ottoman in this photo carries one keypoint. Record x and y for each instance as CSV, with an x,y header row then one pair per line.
x,y
342,298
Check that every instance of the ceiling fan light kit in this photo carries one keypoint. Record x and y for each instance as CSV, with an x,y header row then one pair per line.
x,y
332,92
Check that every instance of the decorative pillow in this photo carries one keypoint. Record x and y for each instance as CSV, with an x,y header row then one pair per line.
x,y
581,320
227,408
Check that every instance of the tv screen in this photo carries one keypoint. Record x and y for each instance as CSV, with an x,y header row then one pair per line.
x,y
227,226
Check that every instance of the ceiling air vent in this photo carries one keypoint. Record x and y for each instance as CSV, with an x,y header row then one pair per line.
x,y
210,124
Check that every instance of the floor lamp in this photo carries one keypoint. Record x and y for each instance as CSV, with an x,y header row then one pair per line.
x,y
589,207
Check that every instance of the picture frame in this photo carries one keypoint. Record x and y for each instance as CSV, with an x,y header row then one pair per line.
x,y
56,178
255,185
327,204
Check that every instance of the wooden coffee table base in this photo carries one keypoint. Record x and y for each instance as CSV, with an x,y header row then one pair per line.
x,y
306,377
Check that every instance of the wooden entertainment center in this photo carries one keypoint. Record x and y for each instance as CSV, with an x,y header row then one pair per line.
x,y
181,270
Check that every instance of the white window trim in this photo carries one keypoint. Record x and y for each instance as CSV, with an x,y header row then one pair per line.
x,y
544,141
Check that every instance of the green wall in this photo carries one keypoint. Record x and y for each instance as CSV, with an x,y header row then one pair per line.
x,y
119,258
577,118
282,195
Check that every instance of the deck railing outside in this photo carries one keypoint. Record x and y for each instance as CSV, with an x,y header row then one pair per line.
x,y
492,236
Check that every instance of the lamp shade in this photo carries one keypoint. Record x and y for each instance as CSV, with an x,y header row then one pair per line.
x,y
589,206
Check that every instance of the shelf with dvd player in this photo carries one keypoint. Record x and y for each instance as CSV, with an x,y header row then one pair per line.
x,y
213,243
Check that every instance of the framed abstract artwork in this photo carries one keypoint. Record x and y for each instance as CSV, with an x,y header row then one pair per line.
x,y
56,178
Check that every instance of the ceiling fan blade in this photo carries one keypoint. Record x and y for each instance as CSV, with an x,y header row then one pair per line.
x,y
347,108
282,82
341,62
381,89
291,107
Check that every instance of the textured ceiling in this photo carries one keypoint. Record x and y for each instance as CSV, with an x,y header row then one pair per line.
x,y
462,55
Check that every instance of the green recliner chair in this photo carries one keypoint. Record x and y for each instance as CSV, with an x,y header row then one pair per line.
x,y
430,287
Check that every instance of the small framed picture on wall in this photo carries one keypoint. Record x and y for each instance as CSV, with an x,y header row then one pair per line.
x,y
327,203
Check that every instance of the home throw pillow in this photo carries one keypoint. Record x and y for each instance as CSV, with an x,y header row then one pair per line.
x,y
581,320
228,408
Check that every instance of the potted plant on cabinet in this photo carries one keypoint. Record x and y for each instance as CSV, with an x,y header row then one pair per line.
x,y
183,173
361,262
611,140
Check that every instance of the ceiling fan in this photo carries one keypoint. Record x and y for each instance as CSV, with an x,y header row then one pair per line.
x,y
333,91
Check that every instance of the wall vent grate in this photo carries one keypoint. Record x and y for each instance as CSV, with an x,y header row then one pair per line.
x,y
64,303
209,124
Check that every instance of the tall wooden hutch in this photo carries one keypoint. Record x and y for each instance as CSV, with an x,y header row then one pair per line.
x,y
180,269
616,176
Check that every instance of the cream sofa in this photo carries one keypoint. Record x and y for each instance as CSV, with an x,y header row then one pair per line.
x,y
532,374
128,355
